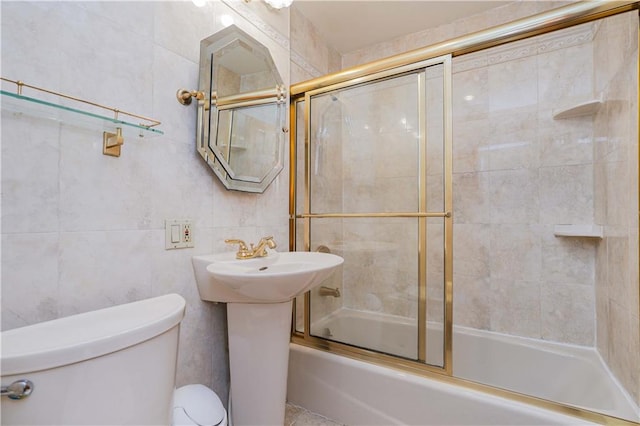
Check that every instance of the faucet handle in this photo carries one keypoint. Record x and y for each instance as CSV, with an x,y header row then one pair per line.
x,y
243,250
243,245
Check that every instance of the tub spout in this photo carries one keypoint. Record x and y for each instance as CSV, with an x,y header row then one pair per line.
x,y
328,291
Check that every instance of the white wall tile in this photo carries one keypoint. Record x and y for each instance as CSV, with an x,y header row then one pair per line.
x,y
29,278
30,172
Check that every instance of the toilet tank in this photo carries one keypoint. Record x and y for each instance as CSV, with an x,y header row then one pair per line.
x,y
114,366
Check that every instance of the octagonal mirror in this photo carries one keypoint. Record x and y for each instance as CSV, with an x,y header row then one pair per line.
x,y
242,118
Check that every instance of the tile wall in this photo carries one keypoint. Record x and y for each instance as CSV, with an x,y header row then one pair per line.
x,y
517,173
83,231
616,192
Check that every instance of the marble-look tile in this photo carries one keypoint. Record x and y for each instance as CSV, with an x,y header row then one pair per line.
x,y
618,192
395,155
516,253
472,249
514,196
101,269
600,192
30,173
400,194
567,76
99,192
29,279
634,354
179,27
513,84
182,184
618,31
178,121
513,142
120,61
633,285
618,269
565,142
22,31
472,140
566,194
232,208
273,205
307,42
471,94
620,357
472,198
568,260
473,301
567,313
519,303
603,321
134,16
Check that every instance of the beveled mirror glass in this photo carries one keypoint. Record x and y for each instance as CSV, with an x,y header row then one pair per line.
x,y
242,118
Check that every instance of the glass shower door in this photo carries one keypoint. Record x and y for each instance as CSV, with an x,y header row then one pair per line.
x,y
375,195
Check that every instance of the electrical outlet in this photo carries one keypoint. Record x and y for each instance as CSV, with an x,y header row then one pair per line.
x,y
186,232
178,234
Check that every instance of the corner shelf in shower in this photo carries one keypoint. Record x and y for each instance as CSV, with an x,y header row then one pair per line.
x,y
114,128
578,231
582,109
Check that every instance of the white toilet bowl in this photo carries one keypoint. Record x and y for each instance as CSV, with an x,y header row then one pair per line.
x,y
111,366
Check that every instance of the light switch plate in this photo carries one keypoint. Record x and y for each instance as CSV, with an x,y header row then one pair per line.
x,y
178,234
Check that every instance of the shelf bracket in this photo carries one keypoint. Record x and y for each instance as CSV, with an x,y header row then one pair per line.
x,y
112,142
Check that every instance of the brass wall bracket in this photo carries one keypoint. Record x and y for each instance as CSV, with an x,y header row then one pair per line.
x,y
112,142
184,96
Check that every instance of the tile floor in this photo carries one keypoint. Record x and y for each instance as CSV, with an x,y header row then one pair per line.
x,y
299,416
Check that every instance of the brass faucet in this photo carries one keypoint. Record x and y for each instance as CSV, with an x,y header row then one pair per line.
x,y
260,250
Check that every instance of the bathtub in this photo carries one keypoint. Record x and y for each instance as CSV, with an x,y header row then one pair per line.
x,y
358,393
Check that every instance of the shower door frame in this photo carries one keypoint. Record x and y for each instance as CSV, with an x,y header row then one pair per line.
x,y
546,22
422,214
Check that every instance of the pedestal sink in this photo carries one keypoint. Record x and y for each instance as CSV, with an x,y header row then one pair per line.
x,y
259,294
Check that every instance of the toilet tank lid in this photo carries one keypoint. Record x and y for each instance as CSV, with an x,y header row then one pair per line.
x,y
80,337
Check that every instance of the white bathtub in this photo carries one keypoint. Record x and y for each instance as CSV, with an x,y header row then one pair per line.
x,y
358,393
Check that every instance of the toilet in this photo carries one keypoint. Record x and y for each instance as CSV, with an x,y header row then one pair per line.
x,y
111,366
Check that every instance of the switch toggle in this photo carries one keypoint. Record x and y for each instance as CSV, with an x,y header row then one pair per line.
x,y
178,234
175,233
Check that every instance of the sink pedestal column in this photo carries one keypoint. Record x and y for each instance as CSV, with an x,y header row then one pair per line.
x,y
259,360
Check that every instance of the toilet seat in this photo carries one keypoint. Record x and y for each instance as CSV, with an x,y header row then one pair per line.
x,y
197,405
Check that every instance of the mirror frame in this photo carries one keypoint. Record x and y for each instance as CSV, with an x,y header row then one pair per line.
x,y
211,106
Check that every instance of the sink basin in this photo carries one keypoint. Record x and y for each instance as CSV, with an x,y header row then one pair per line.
x,y
278,277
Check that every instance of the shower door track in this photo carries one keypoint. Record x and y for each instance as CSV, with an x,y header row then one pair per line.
x,y
359,215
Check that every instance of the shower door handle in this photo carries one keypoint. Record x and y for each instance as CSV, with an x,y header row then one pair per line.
x,y
18,389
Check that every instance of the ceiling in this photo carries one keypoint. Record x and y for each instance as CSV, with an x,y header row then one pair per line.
x,y
348,25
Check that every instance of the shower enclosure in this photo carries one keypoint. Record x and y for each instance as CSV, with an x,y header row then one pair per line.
x,y
368,201
484,196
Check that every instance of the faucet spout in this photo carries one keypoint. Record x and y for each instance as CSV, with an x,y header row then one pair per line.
x,y
260,250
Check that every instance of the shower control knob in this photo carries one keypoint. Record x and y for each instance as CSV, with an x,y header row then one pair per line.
x,y
18,389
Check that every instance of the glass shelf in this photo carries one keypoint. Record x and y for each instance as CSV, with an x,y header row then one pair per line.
x,y
64,114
